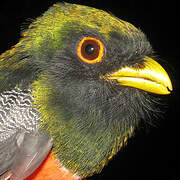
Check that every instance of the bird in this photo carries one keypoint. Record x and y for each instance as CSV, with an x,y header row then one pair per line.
x,y
73,90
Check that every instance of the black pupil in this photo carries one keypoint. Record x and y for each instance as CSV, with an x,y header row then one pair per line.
x,y
89,49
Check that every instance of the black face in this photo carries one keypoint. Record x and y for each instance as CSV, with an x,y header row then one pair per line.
x,y
80,87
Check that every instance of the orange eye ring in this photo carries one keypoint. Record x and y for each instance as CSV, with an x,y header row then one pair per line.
x,y
90,50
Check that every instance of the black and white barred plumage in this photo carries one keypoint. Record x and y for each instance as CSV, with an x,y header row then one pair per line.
x,y
16,113
20,139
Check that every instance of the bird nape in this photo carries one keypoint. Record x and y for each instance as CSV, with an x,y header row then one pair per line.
x,y
76,85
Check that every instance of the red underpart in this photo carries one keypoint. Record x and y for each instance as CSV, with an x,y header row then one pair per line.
x,y
51,169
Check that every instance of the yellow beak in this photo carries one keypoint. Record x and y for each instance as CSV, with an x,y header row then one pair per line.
x,y
150,77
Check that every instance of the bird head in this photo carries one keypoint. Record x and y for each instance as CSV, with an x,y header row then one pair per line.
x,y
92,77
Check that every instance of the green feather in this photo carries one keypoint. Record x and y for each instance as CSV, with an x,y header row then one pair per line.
x,y
78,144
83,143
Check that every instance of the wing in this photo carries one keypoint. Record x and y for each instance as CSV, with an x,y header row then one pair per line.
x,y
23,153
8,150
22,146
31,153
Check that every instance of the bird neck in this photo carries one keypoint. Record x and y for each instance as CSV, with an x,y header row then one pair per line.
x,y
83,144
85,152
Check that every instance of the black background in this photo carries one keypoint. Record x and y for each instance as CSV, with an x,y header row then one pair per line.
x,y
151,153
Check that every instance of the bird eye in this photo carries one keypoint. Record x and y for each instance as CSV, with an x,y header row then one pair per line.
x,y
90,50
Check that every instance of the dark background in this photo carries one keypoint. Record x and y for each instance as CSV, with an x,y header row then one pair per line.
x,y
151,153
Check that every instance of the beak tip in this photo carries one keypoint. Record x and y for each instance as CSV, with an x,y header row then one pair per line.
x,y
170,89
